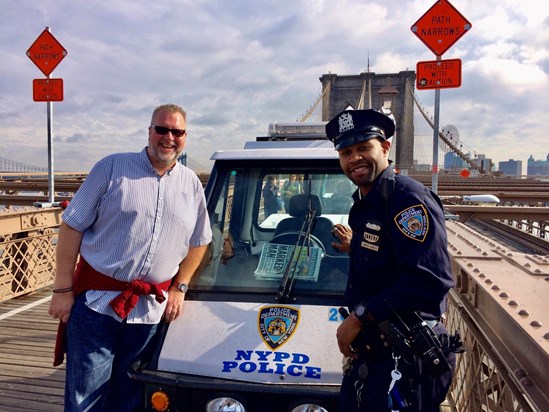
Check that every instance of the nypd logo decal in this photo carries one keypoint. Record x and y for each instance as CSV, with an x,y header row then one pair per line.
x,y
413,222
277,324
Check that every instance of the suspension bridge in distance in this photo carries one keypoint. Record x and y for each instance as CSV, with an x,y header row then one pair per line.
x,y
13,166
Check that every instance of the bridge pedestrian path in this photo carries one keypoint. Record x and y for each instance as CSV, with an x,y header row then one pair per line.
x,y
28,380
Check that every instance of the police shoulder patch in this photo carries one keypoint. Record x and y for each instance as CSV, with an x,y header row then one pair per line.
x,y
413,222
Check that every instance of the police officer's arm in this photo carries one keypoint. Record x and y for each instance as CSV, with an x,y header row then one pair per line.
x,y
343,234
187,268
347,333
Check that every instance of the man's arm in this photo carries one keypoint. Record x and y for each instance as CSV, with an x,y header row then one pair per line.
x,y
67,250
187,268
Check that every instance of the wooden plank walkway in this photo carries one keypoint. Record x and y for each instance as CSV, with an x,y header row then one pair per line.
x,y
28,380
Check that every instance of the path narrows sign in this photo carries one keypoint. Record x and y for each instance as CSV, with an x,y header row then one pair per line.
x,y
440,27
46,52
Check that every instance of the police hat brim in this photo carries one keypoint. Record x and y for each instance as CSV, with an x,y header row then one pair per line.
x,y
355,139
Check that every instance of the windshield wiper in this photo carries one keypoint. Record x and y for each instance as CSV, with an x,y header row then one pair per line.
x,y
303,244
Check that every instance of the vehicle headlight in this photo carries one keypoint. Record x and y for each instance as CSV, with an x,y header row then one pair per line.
x,y
225,405
309,407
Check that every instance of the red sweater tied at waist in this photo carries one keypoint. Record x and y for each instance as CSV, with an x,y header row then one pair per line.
x,y
87,278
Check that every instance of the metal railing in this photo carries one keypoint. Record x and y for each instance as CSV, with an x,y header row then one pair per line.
x,y
481,381
27,250
27,264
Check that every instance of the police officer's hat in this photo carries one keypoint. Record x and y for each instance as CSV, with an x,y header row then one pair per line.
x,y
354,126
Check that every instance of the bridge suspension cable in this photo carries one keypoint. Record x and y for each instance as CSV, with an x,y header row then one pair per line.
x,y
441,135
9,165
360,102
314,106
194,165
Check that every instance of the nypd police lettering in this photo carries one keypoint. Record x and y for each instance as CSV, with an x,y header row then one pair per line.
x,y
279,363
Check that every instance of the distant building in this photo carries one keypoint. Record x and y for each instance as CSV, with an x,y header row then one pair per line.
x,y
511,167
452,162
484,163
538,167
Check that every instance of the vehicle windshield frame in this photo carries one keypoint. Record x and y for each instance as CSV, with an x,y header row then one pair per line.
x,y
241,223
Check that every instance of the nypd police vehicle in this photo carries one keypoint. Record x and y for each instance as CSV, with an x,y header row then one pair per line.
x,y
259,321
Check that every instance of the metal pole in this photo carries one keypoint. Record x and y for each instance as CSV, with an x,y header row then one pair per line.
x,y
434,181
51,189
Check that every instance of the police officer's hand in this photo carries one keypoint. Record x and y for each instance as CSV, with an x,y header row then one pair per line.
x,y
344,235
346,334
174,306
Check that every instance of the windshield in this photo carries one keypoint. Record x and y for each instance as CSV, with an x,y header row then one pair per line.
x,y
272,228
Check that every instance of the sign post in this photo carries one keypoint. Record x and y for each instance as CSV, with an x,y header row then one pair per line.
x,y
46,52
439,28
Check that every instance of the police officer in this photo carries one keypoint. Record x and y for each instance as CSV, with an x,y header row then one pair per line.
x,y
399,269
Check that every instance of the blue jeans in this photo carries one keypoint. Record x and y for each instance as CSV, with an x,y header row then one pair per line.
x,y
100,351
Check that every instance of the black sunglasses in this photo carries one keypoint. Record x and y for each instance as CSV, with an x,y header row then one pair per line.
x,y
161,130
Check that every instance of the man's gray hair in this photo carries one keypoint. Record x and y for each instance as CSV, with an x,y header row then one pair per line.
x,y
171,108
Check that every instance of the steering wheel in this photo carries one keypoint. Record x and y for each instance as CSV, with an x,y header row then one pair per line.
x,y
290,238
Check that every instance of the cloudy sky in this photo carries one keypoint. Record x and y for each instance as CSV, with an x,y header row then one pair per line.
x,y
237,65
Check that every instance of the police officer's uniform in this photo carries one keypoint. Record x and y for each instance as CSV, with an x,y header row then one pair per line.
x,y
399,265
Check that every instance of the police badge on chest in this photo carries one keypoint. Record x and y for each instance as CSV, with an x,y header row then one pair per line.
x,y
371,237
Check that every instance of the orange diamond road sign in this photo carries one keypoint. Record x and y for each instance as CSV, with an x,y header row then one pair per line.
x,y
465,173
47,90
438,74
440,27
46,52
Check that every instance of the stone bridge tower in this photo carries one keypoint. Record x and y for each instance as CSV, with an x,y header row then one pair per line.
x,y
370,90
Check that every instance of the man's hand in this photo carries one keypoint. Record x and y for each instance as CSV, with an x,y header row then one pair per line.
x,y
174,306
61,305
228,250
346,334
344,235
187,268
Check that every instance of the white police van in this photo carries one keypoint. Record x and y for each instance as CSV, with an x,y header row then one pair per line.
x,y
258,327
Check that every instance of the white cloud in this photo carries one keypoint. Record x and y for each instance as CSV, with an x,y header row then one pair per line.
x,y
237,66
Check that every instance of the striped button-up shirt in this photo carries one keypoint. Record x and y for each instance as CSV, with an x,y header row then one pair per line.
x,y
137,225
